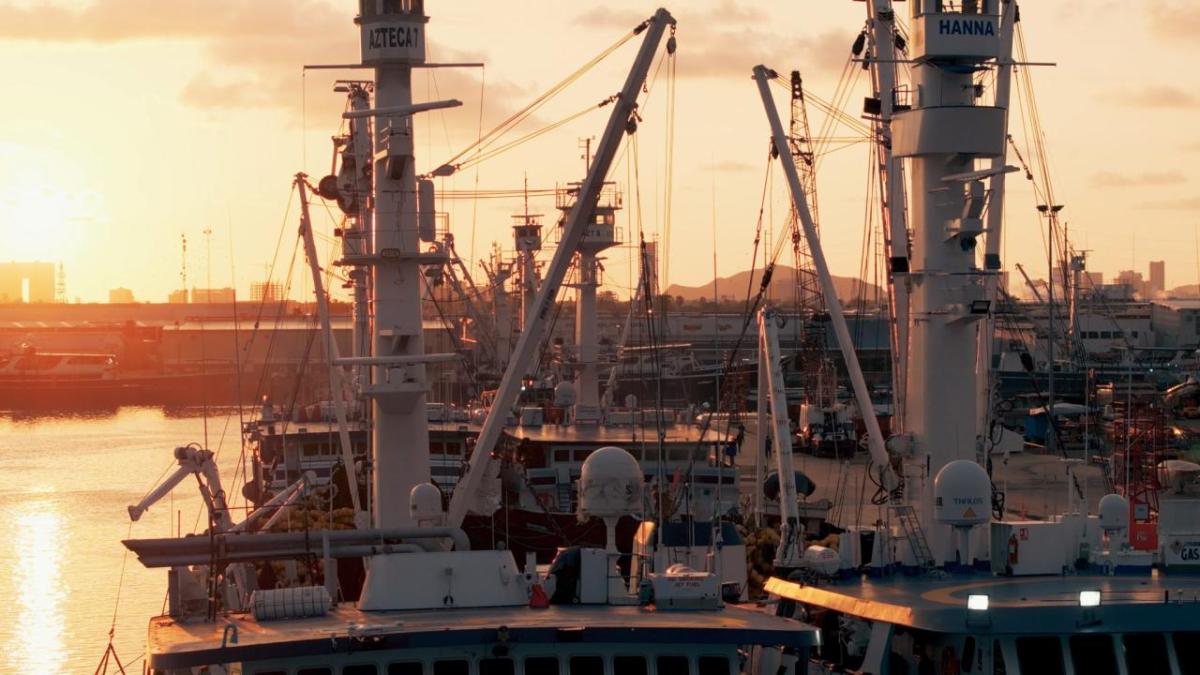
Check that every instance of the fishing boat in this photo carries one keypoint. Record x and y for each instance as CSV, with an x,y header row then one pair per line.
x,y
945,579
542,465
430,603
33,377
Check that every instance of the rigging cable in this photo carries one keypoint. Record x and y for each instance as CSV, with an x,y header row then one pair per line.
x,y
524,113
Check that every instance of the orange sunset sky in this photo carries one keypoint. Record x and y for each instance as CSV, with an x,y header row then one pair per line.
x,y
130,122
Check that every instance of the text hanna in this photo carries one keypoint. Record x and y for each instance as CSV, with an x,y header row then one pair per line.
x,y
966,27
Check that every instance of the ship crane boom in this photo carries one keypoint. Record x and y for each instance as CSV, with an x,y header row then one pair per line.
x,y
875,440
791,534
576,220
193,461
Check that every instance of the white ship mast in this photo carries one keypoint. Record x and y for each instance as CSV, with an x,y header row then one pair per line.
x,y
950,127
393,41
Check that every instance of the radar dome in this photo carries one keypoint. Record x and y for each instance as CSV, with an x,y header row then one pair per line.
x,y
425,503
962,494
564,394
822,560
1114,512
610,484
1177,474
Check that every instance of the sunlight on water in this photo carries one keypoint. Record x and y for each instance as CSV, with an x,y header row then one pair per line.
x,y
65,482
39,583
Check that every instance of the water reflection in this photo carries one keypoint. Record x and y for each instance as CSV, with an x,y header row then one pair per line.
x,y
38,414
39,622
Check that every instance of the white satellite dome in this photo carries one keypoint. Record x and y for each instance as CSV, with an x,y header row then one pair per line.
x,y
564,394
1114,513
610,484
425,503
821,559
1176,474
962,494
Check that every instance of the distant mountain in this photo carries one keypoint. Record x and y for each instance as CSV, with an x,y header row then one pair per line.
x,y
734,287
1188,291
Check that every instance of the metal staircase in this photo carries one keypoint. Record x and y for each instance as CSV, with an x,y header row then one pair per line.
x,y
911,526
564,498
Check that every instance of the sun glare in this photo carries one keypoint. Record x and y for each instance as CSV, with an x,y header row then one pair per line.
x,y
43,207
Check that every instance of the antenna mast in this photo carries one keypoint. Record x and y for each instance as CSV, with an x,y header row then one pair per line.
x,y
208,264
183,261
60,285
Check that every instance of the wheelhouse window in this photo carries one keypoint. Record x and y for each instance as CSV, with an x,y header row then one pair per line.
x,y
629,665
361,669
406,668
455,667
498,666
1146,654
1041,655
541,665
587,665
1187,651
673,665
713,665
1093,654
319,670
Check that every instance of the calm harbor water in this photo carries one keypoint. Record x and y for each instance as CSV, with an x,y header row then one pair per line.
x,y
66,479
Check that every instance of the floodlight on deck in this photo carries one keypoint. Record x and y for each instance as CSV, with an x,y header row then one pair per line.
x,y
1089,598
978,603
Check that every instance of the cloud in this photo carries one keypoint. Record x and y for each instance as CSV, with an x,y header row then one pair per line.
x,y
1194,146
1181,204
727,11
1144,179
712,56
120,20
608,17
1174,20
1160,96
255,47
729,40
728,166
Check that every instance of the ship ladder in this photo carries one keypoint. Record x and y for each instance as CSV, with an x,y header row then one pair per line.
x,y
907,517
564,497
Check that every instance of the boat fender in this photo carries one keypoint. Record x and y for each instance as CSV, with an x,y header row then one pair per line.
x,y
538,598
645,592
